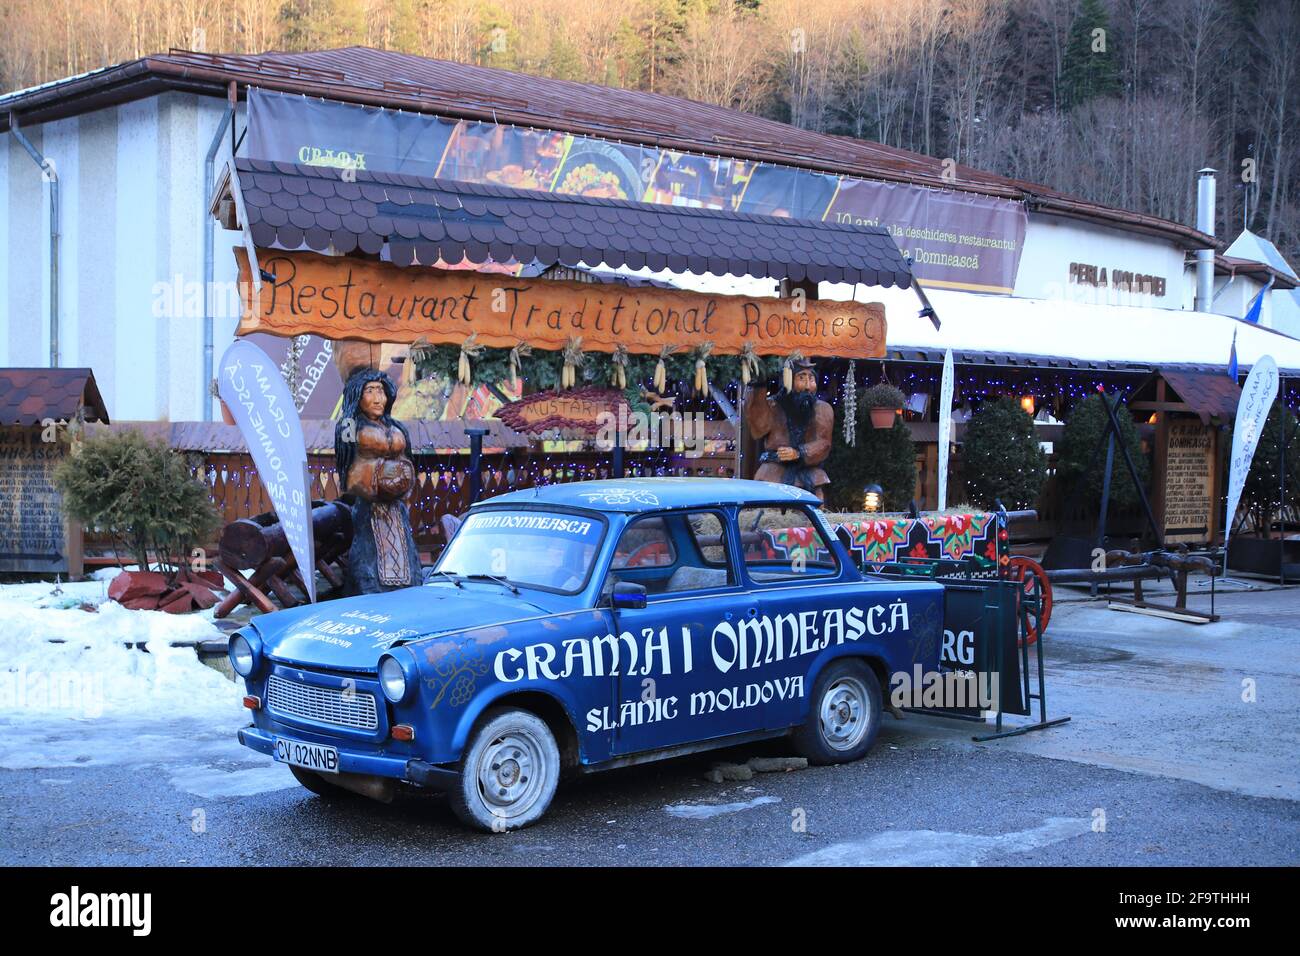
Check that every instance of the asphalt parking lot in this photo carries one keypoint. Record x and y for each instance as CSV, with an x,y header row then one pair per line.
x,y
1181,750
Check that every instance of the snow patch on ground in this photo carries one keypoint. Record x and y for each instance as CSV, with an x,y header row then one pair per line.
x,y
705,811
210,782
936,848
73,693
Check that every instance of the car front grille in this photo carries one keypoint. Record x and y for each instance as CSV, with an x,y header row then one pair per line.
x,y
327,705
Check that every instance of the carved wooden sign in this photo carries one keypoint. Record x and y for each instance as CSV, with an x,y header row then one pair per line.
x,y
344,298
579,410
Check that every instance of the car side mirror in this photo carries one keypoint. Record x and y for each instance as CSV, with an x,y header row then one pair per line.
x,y
627,595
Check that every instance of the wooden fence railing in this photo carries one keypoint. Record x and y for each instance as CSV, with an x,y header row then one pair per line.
x,y
443,482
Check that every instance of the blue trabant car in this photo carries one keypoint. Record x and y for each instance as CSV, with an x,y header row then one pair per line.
x,y
588,626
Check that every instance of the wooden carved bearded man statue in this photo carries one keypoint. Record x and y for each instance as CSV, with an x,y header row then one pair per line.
x,y
796,429
372,453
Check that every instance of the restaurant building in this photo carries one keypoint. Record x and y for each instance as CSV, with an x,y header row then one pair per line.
x,y
113,254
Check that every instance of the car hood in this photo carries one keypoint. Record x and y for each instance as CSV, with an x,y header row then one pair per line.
x,y
352,633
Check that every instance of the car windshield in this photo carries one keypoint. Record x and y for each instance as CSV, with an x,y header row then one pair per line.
x,y
540,549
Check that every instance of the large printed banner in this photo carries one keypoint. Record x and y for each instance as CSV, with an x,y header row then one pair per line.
x,y
958,240
344,298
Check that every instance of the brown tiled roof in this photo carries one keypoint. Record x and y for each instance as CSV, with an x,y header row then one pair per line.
x,y
421,220
399,80
28,396
1206,393
426,435
1228,265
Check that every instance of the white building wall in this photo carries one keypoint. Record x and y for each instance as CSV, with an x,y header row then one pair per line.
x,y
1052,243
133,211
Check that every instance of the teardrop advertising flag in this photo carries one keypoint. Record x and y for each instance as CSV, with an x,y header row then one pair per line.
x,y
1252,411
250,384
945,427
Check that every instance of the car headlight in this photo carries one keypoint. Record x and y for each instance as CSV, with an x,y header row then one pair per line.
x,y
242,656
392,679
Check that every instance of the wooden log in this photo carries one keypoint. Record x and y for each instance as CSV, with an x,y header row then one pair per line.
x,y
248,542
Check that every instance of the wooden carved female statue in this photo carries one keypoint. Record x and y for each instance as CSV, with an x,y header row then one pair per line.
x,y
372,453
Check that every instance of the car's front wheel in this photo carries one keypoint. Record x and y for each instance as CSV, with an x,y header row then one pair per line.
x,y
844,717
509,772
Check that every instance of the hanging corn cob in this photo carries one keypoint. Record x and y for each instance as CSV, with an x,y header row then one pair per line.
x,y
517,355
787,370
701,370
749,363
619,359
661,370
573,360
469,349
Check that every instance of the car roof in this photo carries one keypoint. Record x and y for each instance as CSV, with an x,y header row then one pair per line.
x,y
629,495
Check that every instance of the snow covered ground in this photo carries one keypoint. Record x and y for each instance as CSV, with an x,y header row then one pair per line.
x,y
104,686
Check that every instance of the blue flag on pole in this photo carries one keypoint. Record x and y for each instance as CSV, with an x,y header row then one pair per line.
x,y
1257,303
1232,358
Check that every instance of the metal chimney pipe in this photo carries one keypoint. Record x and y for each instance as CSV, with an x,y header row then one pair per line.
x,y
1205,223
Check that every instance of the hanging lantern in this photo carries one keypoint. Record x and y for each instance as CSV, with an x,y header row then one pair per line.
x,y
1027,403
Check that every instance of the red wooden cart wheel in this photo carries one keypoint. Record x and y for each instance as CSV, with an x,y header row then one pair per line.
x,y
648,555
1035,582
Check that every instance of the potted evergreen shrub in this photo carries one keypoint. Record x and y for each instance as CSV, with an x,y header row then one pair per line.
x,y
884,402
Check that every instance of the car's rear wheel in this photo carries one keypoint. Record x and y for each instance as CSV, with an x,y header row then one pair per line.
x,y
509,772
318,784
844,716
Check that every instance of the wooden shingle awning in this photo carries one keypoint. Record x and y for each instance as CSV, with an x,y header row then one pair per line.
x,y
419,221
30,396
1208,394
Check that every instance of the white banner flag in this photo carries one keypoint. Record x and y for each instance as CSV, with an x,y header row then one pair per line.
x,y
251,386
945,427
1257,397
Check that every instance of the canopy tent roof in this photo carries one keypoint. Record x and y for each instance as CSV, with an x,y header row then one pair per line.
x,y
420,221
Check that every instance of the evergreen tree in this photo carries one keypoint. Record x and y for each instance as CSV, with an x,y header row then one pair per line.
x,y
1090,67
882,456
1262,492
1001,458
1079,443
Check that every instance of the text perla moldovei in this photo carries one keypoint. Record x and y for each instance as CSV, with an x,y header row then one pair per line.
x,y
740,645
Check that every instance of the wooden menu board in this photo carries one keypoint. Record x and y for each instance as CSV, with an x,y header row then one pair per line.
x,y
33,536
1189,480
